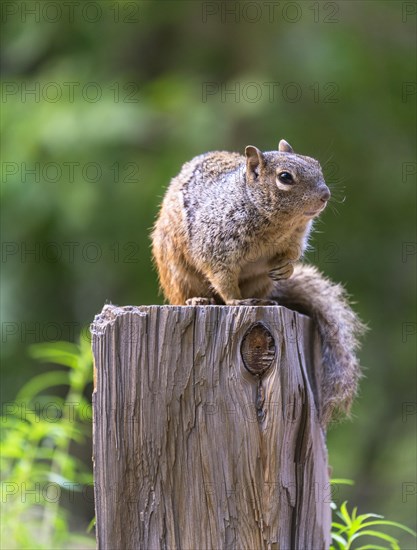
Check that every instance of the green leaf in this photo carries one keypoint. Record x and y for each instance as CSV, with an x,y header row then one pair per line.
x,y
39,383
341,481
91,525
377,534
61,353
345,514
339,526
366,516
339,539
393,523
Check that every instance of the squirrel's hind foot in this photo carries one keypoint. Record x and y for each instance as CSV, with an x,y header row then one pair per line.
x,y
200,302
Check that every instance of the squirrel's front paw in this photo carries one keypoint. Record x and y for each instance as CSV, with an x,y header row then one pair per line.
x,y
251,302
200,302
283,271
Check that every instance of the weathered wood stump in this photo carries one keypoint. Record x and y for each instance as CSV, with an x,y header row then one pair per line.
x,y
206,433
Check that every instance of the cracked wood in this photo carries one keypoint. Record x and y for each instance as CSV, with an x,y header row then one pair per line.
x,y
181,458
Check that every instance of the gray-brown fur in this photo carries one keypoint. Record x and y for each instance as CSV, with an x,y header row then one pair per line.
x,y
230,230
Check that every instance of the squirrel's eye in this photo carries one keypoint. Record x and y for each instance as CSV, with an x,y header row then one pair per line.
x,y
285,177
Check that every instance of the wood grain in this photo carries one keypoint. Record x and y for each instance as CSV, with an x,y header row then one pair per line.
x,y
191,450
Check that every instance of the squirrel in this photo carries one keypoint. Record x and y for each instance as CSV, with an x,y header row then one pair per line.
x,y
231,229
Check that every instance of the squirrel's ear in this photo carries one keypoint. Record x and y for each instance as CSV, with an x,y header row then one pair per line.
x,y
284,147
254,158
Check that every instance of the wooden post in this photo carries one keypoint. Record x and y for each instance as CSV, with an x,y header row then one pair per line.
x,y
205,429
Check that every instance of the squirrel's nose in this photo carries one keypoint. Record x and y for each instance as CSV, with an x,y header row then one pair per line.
x,y
325,194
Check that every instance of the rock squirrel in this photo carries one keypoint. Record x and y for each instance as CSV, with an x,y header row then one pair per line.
x,y
230,231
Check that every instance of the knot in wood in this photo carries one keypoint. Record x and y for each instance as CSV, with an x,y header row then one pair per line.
x,y
258,349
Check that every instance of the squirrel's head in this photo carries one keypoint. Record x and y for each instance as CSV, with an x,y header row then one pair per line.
x,y
283,180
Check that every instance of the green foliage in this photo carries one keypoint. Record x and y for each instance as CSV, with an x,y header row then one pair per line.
x,y
38,467
348,528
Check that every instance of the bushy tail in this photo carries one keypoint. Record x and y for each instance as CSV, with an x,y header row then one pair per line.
x,y
308,291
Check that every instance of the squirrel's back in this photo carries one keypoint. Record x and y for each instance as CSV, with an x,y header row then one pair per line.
x,y
171,234
206,170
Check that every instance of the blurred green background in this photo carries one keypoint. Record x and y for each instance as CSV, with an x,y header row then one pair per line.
x,y
102,102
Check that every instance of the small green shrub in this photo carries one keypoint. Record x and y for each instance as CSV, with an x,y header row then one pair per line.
x,y
348,528
37,467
